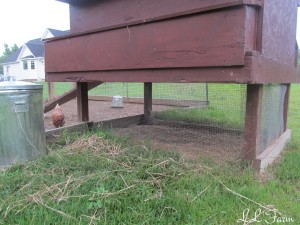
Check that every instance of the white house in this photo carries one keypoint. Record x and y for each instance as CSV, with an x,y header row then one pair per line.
x,y
27,63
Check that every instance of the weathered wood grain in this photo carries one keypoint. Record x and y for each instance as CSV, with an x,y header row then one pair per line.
x,y
269,70
85,17
279,30
213,39
253,121
257,70
82,101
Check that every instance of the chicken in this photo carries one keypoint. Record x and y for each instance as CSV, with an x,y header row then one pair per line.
x,y
58,117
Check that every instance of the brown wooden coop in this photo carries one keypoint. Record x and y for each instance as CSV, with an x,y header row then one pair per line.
x,y
250,42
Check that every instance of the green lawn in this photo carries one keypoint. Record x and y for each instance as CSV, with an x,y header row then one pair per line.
x,y
60,88
96,178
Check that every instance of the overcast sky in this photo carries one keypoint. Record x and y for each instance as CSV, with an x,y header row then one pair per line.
x,y
23,20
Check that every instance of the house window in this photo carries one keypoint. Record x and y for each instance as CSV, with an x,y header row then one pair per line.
x,y
7,69
25,65
32,65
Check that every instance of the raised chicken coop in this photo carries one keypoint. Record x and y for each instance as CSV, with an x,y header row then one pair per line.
x,y
251,43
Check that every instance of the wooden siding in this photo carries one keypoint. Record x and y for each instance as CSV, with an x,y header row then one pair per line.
x,y
279,30
202,40
106,13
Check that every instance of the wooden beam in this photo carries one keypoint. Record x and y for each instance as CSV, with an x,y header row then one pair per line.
x,y
88,126
258,70
66,97
82,101
51,90
80,128
147,101
161,101
253,121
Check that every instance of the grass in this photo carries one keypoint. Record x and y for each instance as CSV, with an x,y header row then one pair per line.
x,y
226,108
97,178
60,88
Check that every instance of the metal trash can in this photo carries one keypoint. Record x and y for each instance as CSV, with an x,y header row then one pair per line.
x,y
22,133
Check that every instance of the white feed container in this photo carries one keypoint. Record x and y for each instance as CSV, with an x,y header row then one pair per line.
x,y
117,101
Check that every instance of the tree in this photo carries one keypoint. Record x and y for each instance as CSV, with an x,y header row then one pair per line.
x,y
7,51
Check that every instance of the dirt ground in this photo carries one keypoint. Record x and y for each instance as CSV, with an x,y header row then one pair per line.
x,y
98,111
191,142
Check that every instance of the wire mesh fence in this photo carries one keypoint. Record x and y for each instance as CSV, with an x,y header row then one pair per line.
x,y
197,117
272,121
192,118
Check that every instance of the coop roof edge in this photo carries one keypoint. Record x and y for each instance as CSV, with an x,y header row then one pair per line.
x,y
220,2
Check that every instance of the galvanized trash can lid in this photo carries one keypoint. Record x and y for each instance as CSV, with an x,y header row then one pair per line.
x,y
19,85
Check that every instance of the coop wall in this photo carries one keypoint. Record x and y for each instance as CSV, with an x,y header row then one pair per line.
x,y
279,29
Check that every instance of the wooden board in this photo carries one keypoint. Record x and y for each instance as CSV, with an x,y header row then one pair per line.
x,y
272,153
267,70
89,126
258,70
106,13
201,40
82,101
147,102
252,121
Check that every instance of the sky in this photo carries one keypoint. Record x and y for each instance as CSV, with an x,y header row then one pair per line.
x,y
23,20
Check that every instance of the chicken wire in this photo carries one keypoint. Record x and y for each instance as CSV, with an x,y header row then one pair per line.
x,y
210,115
272,117
171,94
217,126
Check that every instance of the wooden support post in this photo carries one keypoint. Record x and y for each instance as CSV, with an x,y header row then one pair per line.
x,y
82,101
74,84
253,121
51,90
286,106
147,102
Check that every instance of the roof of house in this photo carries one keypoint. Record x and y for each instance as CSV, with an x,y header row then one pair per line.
x,y
36,41
28,57
58,32
36,46
37,50
71,2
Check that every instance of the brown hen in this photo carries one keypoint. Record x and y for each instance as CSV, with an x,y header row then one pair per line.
x,y
58,117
